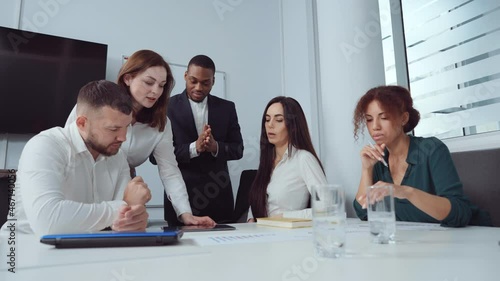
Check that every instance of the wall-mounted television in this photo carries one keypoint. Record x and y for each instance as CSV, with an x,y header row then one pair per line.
x,y
40,76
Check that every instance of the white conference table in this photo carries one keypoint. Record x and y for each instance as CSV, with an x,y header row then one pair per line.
x,y
252,252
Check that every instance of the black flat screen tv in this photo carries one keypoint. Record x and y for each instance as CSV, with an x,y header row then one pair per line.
x,y
40,76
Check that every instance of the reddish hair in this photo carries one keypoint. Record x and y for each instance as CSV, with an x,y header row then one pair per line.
x,y
395,100
156,116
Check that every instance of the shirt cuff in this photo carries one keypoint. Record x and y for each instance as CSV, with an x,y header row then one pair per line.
x,y
179,216
250,214
180,207
192,150
115,205
217,151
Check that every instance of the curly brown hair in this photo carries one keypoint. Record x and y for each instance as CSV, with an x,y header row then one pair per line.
x,y
395,100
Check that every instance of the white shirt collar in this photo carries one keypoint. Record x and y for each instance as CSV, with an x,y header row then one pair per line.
x,y
200,113
76,138
287,152
201,104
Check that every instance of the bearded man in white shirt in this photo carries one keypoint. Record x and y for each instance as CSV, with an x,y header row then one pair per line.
x,y
76,179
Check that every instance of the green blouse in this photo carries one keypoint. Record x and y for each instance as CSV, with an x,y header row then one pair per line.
x,y
430,169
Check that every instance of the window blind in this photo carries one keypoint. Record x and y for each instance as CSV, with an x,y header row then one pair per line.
x,y
453,54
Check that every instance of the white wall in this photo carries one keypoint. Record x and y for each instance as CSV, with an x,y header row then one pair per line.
x,y
9,13
351,62
299,64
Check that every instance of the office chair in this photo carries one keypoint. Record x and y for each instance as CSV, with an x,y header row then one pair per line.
x,y
4,195
241,207
478,172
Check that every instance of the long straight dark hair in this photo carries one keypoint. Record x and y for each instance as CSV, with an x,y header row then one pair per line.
x,y
138,62
298,137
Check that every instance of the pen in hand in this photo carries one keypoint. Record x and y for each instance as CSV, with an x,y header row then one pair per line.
x,y
382,158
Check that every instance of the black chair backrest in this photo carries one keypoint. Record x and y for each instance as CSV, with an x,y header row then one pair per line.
x,y
7,180
241,207
478,171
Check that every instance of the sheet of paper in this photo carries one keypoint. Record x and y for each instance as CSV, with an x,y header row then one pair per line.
x,y
245,238
405,225
363,227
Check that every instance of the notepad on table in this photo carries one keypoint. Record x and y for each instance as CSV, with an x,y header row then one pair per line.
x,y
284,222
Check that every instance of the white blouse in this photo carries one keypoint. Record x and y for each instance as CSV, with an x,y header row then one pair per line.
x,y
142,140
289,189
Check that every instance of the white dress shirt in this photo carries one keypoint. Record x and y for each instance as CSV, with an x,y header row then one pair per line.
x,y
200,113
200,116
60,188
142,140
289,189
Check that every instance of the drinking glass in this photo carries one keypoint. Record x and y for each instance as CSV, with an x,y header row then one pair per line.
x,y
329,220
381,214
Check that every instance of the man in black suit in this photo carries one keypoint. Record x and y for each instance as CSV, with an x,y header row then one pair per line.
x,y
206,135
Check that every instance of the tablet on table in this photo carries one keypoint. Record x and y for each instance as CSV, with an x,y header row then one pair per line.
x,y
112,239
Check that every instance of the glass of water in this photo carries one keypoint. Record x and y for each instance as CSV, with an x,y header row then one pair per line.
x,y
381,214
329,220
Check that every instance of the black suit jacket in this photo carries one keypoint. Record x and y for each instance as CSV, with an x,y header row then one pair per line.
x,y
206,177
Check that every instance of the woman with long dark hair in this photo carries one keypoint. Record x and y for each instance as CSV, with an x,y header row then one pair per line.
x,y
288,164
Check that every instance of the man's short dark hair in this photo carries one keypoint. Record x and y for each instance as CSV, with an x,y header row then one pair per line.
x,y
97,94
202,61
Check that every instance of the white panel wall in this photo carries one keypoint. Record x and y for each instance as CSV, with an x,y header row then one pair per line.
x,y
299,65
9,13
351,62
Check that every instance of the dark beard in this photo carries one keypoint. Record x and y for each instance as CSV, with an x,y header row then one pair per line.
x,y
101,149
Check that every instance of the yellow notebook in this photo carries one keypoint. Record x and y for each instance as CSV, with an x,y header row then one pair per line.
x,y
284,222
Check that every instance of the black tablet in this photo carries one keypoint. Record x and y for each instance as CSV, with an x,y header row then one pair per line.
x,y
198,228
112,239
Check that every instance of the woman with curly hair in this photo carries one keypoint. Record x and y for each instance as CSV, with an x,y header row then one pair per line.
x,y
426,184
